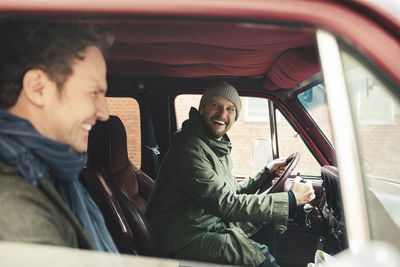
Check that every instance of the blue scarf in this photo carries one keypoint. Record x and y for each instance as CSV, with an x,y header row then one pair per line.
x,y
37,157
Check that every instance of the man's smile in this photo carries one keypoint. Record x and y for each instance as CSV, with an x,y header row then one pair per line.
x,y
219,121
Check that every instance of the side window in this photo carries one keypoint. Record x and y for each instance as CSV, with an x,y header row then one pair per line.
x,y
376,115
289,141
252,125
183,103
127,109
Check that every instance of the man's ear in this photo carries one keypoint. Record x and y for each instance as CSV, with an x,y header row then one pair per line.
x,y
34,84
201,110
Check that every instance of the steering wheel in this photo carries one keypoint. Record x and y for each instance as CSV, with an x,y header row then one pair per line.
x,y
291,163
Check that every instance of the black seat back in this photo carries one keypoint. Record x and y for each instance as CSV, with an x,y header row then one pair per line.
x,y
110,167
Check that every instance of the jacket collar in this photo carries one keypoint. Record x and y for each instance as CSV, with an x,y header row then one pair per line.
x,y
195,126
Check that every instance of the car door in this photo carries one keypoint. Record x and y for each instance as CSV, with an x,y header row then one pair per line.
x,y
364,104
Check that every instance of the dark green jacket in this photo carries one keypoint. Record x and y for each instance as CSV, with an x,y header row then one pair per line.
x,y
198,210
36,214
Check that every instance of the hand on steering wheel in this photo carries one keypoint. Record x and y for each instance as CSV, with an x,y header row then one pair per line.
x,y
277,166
278,186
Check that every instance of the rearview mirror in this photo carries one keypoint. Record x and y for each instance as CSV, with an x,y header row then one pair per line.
x,y
262,152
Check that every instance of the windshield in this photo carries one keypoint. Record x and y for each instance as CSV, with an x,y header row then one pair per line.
x,y
315,103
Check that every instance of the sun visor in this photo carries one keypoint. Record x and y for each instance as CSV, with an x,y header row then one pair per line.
x,y
292,67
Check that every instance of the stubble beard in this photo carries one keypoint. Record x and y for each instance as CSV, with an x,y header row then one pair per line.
x,y
213,133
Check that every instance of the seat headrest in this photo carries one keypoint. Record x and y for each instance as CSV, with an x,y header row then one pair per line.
x,y
107,144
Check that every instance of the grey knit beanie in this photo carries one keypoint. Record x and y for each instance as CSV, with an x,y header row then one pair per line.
x,y
224,90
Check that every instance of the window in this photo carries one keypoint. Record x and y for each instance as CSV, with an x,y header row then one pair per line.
x,y
289,141
376,114
314,101
255,110
374,105
127,109
183,103
244,134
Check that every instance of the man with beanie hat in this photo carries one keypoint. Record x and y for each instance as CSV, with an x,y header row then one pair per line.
x,y
223,90
197,209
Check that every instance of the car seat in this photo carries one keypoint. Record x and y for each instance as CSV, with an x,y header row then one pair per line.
x,y
119,188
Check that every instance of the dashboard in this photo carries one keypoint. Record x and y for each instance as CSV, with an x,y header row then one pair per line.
x,y
327,217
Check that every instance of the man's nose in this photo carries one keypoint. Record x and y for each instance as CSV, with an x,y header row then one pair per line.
x,y
222,111
102,110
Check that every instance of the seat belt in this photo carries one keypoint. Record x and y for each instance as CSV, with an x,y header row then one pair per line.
x,y
149,138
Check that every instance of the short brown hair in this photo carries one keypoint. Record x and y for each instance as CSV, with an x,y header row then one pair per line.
x,y
51,47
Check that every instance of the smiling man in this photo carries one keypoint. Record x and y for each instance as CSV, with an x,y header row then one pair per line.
x,y
198,210
52,91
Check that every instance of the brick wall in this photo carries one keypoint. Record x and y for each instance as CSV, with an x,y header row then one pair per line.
x,y
380,145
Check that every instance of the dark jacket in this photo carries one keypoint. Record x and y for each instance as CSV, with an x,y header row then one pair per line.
x,y
198,210
36,214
